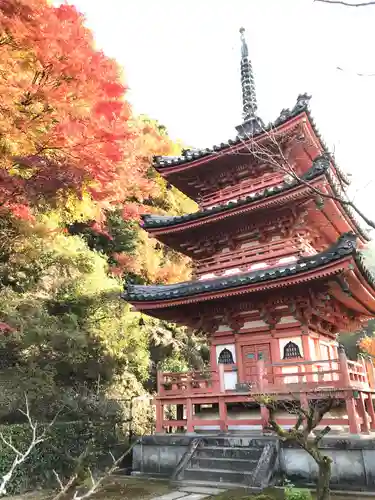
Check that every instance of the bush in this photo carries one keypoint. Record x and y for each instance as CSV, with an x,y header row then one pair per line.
x,y
297,494
64,440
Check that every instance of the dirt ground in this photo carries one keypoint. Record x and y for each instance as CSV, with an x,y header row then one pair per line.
x,y
118,487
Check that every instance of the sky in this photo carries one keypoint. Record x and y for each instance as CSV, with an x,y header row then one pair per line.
x,y
181,61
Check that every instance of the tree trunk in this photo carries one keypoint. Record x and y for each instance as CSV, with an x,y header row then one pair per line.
x,y
323,491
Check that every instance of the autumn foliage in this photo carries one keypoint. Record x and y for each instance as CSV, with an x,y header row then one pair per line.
x,y
66,128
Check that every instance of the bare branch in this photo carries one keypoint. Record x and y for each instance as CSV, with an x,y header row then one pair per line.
x,y
347,4
95,483
21,456
280,162
356,74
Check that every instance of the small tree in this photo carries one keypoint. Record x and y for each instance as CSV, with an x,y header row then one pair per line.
x,y
308,418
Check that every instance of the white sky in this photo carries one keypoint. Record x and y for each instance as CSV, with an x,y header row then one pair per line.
x,y
181,60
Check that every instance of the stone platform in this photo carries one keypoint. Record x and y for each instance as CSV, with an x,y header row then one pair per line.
x,y
253,460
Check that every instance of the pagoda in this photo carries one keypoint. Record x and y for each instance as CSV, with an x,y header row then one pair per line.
x,y
277,273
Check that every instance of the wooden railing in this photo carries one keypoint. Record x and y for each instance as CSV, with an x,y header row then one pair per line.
x,y
300,376
241,190
194,382
243,256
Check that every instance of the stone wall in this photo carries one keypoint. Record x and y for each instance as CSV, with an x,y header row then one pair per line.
x,y
353,464
353,460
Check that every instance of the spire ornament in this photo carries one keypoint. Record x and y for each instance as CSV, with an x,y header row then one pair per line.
x,y
252,124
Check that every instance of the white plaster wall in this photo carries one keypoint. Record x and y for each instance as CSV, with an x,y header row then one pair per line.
x,y
287,319
230,347
230,381
284,341
254,324
293,379
250,244
223,328
332,355
312,348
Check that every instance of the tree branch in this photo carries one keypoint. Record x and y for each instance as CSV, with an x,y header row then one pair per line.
x,y
347,4
20,456
95,483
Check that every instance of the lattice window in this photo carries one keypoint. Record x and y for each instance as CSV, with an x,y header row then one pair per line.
x,y
291,350
226,357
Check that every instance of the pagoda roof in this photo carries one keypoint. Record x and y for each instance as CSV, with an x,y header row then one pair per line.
x,y
345,246
191,157
319,167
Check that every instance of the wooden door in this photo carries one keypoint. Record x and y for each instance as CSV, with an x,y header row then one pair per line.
x,y
251,354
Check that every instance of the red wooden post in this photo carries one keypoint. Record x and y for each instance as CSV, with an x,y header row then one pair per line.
x,y
189,416
354,427
159,416
261,374
371,411
344,370
239,360
307,355
365,427
275,356
223,415
159,380
221,377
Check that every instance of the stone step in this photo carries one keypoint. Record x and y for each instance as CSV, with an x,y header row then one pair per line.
x,y
237,441
217,475
187,483
229,452
202,490
234,464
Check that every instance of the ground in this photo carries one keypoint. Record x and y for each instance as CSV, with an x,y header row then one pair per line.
x,y
124,488
128,488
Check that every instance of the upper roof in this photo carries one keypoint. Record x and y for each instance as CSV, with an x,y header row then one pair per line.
x,y
345,246
320,166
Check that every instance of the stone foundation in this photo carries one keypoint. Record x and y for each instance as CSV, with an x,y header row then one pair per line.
x,y
353,458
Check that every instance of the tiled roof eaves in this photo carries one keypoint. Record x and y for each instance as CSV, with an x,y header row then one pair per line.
x,y
320,167
345,246
191,155
301,106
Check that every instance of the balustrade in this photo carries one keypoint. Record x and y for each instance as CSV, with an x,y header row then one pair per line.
x,y
194,382
243,256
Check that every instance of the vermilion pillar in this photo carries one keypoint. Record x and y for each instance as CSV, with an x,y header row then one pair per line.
x,y
159,416
365,427
354,427
370,409
223,415
189,416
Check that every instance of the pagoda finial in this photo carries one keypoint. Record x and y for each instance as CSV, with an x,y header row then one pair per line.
x,y
249,98
252,123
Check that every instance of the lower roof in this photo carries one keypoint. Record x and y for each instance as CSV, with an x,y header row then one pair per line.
x,y
345,246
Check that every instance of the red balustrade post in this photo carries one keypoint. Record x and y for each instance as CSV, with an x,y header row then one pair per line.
x,y
365,427
189,416
221,377
307,354
354,427
223,415
261,374
344,369
371,411
159,380
159,416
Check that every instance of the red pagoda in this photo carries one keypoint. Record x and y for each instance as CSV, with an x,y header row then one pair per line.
x,y
277,274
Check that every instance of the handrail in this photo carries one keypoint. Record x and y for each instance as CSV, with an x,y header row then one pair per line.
x,y
303,363
186,457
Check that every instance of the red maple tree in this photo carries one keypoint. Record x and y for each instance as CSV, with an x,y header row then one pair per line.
x,y
65,125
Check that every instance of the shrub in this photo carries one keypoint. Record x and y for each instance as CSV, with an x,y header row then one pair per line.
x,y
64,441
297,494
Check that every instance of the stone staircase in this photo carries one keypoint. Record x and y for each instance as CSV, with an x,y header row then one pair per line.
x,y
229,460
